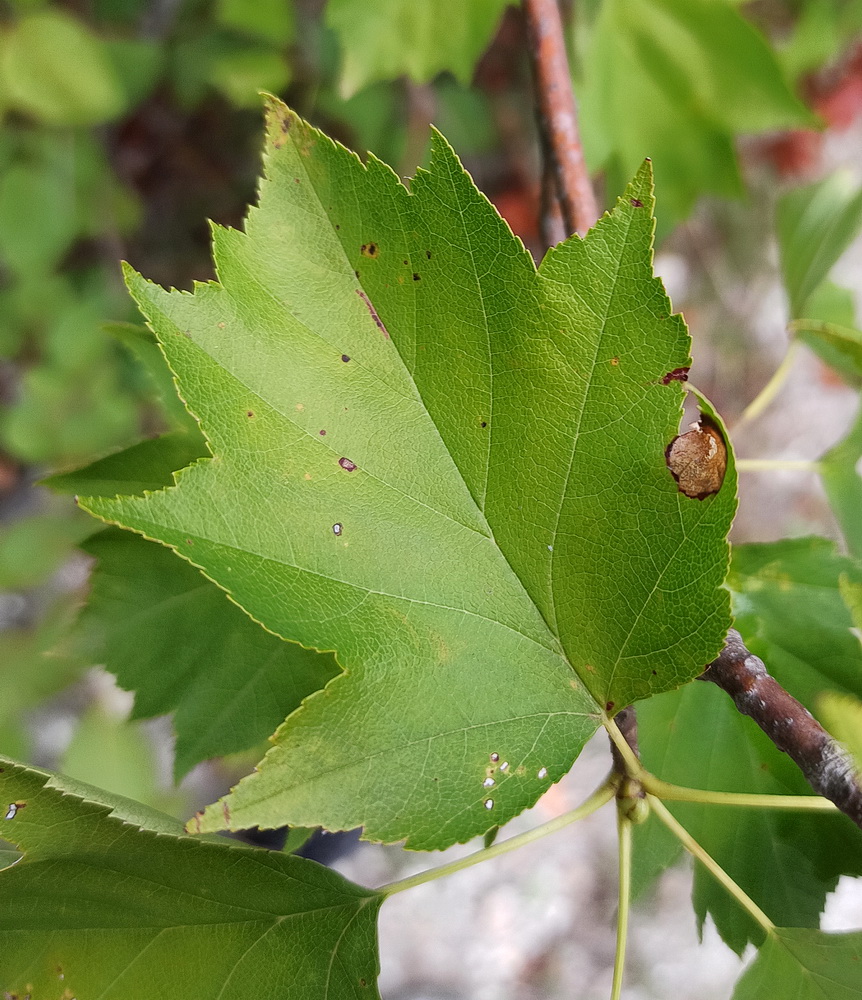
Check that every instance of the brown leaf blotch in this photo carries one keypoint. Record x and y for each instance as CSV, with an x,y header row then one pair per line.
x,y
698,460
677,375
369,250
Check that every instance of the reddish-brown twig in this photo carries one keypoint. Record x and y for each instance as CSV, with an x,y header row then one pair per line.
x,y
790,726
557,114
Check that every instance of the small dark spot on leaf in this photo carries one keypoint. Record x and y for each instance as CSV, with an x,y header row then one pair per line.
x,y
698,459
609,706
484,423
369,250
346,464
225,811
405,262
416,277
428,254
337,226
337,529
615,362
373,312
322,433
250,413
345,358
494,758
356,273
677,375
189,541
296,180
636,202
362,982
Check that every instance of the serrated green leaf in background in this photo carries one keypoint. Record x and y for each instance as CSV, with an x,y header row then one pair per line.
x,y
392,38
677,80
173,637
804,965
446,467
843,486
814,226
54,69
842,716
787,862
789,608
112,900
838,346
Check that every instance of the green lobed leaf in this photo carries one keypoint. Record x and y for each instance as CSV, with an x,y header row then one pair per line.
x,y
173,637
147,465
787,862
676,80
790,610
445,466
392,38
814,226
804,965
112,900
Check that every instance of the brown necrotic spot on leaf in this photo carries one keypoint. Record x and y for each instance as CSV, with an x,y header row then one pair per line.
x,y
373,312
636,202
615,362
322,433
416,277
369,250
249,413
428,254
677,375
345,358
698,459
346,464
609,706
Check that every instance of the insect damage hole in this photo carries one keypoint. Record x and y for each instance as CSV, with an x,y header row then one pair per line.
x,y
697,459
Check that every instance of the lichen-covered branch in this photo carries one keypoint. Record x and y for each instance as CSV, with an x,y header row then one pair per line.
x,y
791,727
557,114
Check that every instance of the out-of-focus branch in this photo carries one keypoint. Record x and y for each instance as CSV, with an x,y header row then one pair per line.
x,y
790,726
557,114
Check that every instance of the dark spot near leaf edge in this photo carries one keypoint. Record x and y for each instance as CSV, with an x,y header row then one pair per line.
x,y
677,375
636,202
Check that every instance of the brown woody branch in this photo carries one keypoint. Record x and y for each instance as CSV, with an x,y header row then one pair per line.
x,y
557,114
791,727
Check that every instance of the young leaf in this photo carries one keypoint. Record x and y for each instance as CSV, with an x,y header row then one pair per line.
x,y
392,38
677,79
172,637
805,965
815,225
111,900
445,466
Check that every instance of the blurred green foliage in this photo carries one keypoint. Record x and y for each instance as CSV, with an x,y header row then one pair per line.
x,y
126,124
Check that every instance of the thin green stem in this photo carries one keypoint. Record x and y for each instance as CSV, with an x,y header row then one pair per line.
x,y
773,464
635,768
712,866
604,793
821,326
624,831
677,793
772,387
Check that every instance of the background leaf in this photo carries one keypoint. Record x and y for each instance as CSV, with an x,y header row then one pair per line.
x,y
173,637
805,965
111,900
